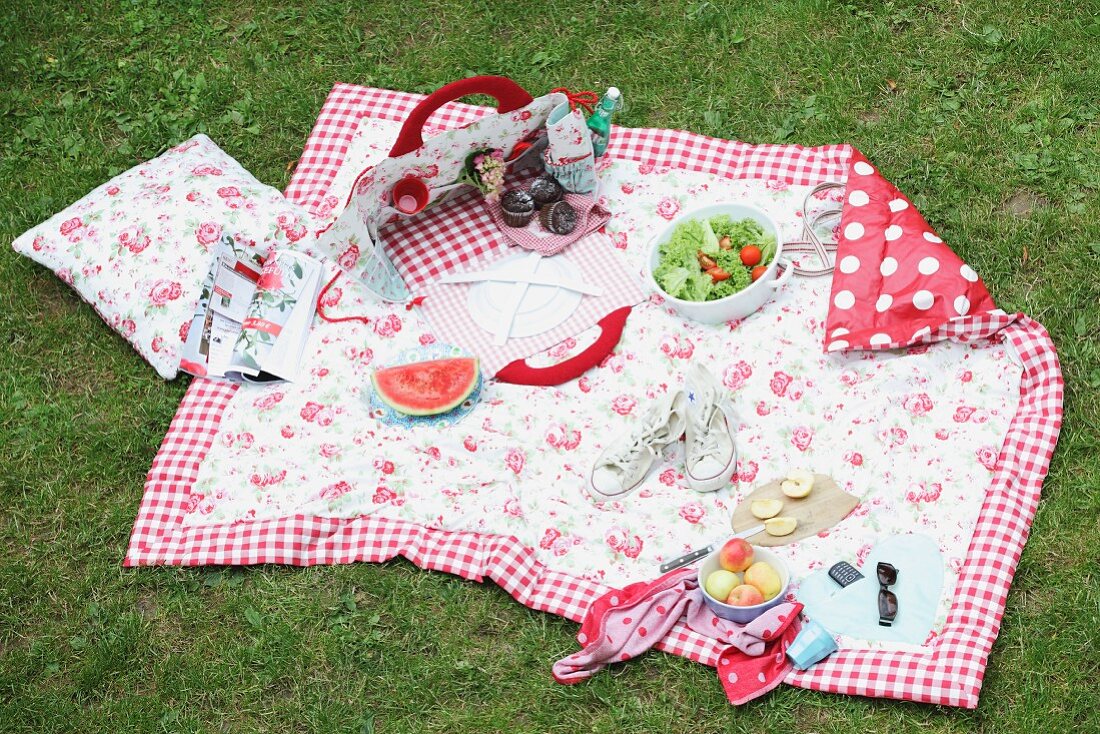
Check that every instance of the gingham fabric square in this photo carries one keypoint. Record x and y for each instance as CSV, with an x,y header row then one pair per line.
x,y
948,672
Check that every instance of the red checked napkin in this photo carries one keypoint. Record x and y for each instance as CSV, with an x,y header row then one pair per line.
x,y
590,217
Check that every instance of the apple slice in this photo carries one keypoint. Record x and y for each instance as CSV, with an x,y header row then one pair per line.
x,y
798,484
763,509
780,526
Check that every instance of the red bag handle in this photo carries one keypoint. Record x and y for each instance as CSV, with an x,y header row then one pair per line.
x,y
509,96
611,330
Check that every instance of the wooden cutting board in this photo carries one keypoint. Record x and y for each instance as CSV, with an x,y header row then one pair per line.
x,y
826,505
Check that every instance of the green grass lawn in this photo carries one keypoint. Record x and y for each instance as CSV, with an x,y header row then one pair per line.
x,y
985,113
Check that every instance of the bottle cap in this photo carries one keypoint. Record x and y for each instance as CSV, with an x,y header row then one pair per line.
x,y
613,92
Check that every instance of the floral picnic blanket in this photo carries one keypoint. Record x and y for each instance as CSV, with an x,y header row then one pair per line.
x,y
944,422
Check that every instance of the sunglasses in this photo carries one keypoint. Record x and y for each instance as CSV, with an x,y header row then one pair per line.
x,y
887,600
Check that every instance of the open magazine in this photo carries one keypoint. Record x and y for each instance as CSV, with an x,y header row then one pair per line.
x,y
253,317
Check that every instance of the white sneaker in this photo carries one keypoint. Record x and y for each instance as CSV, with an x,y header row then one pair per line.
x,y
623,466
710,453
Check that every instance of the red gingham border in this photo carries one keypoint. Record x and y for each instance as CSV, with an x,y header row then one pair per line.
x,y
949,673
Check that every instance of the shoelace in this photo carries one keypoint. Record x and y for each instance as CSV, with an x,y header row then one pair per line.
x,y
626,460
630,453
706,441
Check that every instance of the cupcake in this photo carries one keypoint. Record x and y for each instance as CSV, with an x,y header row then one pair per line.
x,y
546,190
558,218
517,207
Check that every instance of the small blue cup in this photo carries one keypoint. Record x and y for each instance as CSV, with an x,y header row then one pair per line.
x,y
813,644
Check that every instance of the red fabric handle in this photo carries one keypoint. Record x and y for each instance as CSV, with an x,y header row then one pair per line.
x,y
509,96
611,330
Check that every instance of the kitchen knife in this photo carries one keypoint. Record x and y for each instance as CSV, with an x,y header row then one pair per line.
x,y
695,555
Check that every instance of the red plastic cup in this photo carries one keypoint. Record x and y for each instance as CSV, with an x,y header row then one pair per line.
x,y
410,195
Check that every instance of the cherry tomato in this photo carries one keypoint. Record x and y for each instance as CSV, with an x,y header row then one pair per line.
x,y
750,255
717,274
758,272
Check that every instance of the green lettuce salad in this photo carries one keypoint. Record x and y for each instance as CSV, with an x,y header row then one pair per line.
x,y
698,263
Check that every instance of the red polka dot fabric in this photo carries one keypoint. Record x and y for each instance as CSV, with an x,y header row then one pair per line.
x,y
896,283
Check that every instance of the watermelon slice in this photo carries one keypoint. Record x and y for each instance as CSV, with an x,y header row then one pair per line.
x,y
427,388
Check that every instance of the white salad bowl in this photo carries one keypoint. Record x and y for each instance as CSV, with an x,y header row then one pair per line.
x,y
745,301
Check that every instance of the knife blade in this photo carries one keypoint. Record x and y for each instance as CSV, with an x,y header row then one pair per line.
x,y
695,555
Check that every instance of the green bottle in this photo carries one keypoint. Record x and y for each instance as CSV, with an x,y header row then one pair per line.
x,y
599,122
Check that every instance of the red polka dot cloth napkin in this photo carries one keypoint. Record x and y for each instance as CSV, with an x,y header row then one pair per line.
x,y
624,623
895,282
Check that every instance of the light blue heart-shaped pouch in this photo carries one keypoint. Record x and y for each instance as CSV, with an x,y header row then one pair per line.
x,y
853,610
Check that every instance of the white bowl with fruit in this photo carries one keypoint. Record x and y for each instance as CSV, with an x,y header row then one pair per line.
x,y
741,581
718,263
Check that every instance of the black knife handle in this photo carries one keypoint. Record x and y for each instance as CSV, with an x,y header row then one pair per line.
x,y
695,555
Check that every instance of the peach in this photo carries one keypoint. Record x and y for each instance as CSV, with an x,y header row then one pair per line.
x,y
720,583
736,555
764,578
745,596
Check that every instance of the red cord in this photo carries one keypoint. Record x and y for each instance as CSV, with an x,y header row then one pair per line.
x,y
337,319
586,99
321,305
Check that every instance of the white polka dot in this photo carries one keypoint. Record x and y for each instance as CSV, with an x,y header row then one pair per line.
x,y
923,300
840,332
844,299
892,233
582,638
863,168
837,345
928,265
889,266
760,676
615,600
931,237
858,198
853,231
921,333
883,302
899,205
962,305
879,339
732,677
968,272
849,265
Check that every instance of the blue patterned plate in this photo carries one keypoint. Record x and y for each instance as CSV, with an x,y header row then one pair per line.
x,y
391,417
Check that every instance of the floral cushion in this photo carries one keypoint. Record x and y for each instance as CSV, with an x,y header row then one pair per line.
x,y
138,247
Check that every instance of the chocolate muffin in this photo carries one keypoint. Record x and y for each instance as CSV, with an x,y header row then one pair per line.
x,y
517,207
546,190
558,218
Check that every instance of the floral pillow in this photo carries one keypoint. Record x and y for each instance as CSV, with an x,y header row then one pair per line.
x,y
139,247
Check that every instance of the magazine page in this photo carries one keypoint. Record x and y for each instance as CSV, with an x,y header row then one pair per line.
x,y
278,319
219,313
